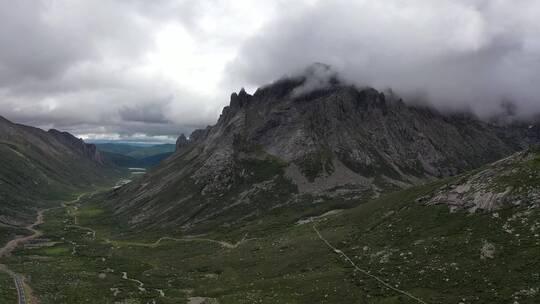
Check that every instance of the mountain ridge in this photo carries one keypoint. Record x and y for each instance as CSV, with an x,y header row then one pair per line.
x,y
276,147
38,166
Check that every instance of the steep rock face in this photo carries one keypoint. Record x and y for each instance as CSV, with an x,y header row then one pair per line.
x,y
512,181
278,147
36,166
181,142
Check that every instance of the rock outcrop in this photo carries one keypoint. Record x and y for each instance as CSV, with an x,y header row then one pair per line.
x,y
512,181
181,142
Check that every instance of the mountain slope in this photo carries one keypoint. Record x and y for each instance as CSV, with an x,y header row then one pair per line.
x,y
280,147
37,166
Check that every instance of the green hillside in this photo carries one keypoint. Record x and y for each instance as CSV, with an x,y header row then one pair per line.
x,y
38,167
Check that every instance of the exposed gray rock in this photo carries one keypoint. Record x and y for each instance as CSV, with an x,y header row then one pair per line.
x,y
340,177
337,141
487,251
507,182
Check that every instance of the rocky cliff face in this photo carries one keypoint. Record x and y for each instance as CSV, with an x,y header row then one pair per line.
x,y
279,147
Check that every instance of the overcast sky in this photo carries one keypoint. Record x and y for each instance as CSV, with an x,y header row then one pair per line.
x,y
148,70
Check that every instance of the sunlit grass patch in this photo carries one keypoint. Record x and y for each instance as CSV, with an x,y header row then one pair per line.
x,y
54,251
90,211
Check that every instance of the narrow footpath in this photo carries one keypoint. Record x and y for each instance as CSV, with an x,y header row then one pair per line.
x,y
365,272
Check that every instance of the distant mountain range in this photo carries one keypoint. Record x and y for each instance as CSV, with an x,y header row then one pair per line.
x,y
132,155
38,166
279,147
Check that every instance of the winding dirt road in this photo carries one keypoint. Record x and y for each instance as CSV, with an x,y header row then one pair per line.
x,y
74,215
24,293
185,239
16,242
365,272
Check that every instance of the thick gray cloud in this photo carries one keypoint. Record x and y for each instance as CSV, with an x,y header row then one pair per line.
x,y
149,70
42,39
82,66
147,113
458,54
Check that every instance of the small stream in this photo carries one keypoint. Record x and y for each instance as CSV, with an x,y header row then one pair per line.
x,y
141,284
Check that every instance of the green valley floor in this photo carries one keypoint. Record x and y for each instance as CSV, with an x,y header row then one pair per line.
x,y
390,250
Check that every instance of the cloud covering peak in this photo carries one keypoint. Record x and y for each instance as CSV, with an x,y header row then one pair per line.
x,y
122,69
458,54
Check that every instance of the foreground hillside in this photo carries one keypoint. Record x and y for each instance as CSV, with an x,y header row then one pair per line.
x,y
37,167
281,146
420,245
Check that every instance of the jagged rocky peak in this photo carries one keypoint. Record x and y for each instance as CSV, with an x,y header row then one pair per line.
x,y
239,99
277,146
181,142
